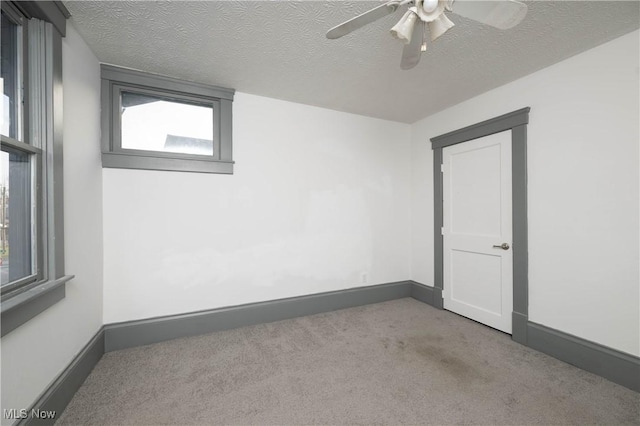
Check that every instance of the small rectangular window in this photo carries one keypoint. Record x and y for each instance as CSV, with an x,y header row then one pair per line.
x,y
152,123
159,123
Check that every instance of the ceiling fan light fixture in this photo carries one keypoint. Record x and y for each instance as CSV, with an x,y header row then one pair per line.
x,y
449,5
423,46
501,14
429,5
404,28
439,26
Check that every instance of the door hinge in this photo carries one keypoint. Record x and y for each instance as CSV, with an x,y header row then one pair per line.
x,y
442,230
441,168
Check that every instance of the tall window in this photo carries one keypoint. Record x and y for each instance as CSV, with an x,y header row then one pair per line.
x,y
31,252
19,164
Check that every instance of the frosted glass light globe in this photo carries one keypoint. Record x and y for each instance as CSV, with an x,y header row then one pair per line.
x,y
429,5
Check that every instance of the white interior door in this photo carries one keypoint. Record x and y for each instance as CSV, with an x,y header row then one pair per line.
x,y
478,260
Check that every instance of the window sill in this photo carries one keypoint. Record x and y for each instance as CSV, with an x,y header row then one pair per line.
x,y
22,307
126,161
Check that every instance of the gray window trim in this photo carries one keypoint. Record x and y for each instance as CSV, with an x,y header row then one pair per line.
x,y
26,305
51,11
515,121
21,304
115,80
116,142
19,146
13,12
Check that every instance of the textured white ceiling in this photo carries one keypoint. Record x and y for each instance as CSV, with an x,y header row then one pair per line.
x,y
278,49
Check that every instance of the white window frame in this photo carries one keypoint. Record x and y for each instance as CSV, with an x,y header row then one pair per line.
x,y
116,80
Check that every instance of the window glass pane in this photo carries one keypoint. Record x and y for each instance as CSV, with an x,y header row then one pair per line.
x,y
154,124
10,75
16,232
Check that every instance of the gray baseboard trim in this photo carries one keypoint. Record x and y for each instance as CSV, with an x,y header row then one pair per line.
x,y
143,332
519,324
619,367
611,364
59,393
438,301
422,292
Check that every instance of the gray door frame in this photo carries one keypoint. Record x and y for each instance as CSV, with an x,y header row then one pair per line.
x,y
516,122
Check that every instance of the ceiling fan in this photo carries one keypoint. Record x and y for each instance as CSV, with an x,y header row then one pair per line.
x,y
411,29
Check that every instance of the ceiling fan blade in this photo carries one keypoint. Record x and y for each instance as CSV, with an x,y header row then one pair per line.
x,y
501,14
412,52
363,19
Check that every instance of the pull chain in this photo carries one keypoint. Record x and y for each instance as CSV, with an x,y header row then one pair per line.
x,y
423,47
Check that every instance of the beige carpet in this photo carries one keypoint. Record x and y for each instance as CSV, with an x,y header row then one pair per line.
x,y
395,362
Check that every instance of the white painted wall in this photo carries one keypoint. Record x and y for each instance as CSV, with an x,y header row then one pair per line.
x,y
583,139
321,198
318,199
36,352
